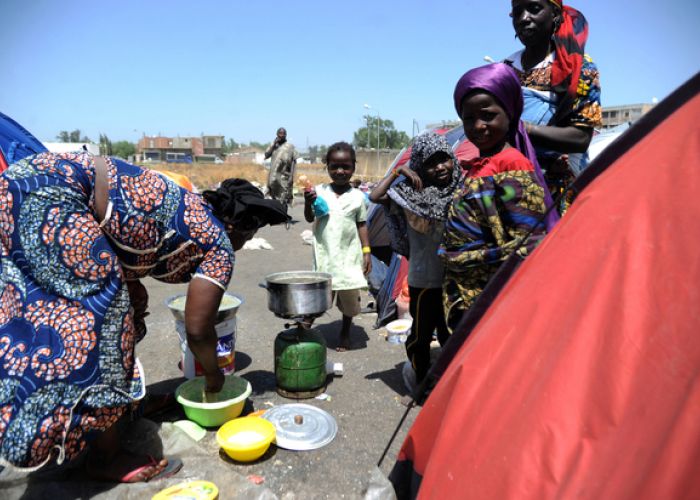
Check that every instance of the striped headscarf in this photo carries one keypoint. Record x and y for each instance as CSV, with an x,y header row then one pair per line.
x,y
569,45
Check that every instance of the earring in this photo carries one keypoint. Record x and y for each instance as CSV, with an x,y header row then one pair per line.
x,y
557,25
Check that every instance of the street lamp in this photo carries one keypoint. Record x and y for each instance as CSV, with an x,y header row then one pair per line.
x,y
367,107
416,128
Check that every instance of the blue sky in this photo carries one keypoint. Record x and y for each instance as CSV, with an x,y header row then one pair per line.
x,y
243,68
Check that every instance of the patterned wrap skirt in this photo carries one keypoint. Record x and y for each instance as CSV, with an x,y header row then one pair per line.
x,y
67,337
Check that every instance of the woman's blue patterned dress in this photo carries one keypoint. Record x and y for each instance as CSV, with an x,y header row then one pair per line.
x,y
67,333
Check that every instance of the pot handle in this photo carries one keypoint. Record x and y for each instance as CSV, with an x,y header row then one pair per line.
x,y
262,285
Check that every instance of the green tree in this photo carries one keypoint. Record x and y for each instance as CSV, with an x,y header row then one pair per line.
x,y
389,137
74,136
316,154
255,144
105,145
230,146
123,149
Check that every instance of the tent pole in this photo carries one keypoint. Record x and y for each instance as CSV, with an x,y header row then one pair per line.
x,y
396,431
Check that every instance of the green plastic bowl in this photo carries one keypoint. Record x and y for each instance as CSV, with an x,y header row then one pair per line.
x,y
229,404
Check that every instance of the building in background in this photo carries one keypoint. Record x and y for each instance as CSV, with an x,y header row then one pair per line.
x,y
213,144
207,149
246,155
628,113
443,125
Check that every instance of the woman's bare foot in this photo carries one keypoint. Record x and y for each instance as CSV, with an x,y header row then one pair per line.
x,y
108,461
344,344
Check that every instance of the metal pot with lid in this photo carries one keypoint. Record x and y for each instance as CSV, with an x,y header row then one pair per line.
x,y
297,294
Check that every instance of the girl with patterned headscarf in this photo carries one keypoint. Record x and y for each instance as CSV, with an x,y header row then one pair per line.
x,y
561,87
417,196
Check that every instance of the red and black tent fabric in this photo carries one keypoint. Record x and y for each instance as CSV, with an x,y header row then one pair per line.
x,y
581,379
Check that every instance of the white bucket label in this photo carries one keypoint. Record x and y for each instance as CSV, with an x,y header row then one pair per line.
x,y
225,349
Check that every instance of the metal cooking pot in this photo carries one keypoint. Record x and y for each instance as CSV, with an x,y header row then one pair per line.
x,y
298,294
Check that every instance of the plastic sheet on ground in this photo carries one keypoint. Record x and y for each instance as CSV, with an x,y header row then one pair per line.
x,y
379,487
142,436
257,244
307,236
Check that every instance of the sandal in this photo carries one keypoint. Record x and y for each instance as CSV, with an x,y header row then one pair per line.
x,y
173,467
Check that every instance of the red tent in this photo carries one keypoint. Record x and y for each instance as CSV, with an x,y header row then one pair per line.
x,y
582,378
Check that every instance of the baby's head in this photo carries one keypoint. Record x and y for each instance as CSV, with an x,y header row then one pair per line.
x,y
340,162
489,101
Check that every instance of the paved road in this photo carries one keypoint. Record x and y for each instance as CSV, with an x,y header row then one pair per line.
x,y
365,401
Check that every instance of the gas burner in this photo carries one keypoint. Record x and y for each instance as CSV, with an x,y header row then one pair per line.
x,y
303,322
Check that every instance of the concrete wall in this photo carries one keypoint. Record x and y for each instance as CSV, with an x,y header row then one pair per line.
x,y
246,157
72,147
373,166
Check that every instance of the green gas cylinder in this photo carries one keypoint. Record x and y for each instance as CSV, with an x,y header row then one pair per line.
x,y
300,363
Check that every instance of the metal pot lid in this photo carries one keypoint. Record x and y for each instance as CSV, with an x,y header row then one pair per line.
x,y
298,278
301,426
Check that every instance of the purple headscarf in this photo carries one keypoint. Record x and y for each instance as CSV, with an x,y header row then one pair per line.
x,y
501,81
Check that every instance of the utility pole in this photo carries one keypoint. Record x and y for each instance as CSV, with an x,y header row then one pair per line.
x,y
369,135
378,122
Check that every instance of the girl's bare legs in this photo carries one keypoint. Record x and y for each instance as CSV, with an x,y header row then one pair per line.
x,y
344,343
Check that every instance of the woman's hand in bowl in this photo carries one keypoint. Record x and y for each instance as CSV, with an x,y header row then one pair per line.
x,y
214,382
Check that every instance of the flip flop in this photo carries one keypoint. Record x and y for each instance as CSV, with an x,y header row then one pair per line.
x,y
173,467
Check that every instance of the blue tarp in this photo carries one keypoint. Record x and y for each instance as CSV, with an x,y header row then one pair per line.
x,y
16,142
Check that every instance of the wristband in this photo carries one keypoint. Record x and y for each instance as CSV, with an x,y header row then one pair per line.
x,y
366,249
395,172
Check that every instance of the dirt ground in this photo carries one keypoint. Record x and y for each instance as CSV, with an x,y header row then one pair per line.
x,y
365,401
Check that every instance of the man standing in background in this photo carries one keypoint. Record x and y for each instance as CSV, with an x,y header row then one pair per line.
x,y
284,158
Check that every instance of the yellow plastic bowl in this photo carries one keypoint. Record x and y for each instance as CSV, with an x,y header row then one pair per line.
x,y
246,439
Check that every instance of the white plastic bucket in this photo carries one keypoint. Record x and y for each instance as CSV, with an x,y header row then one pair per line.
x,y
225,349
397,331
